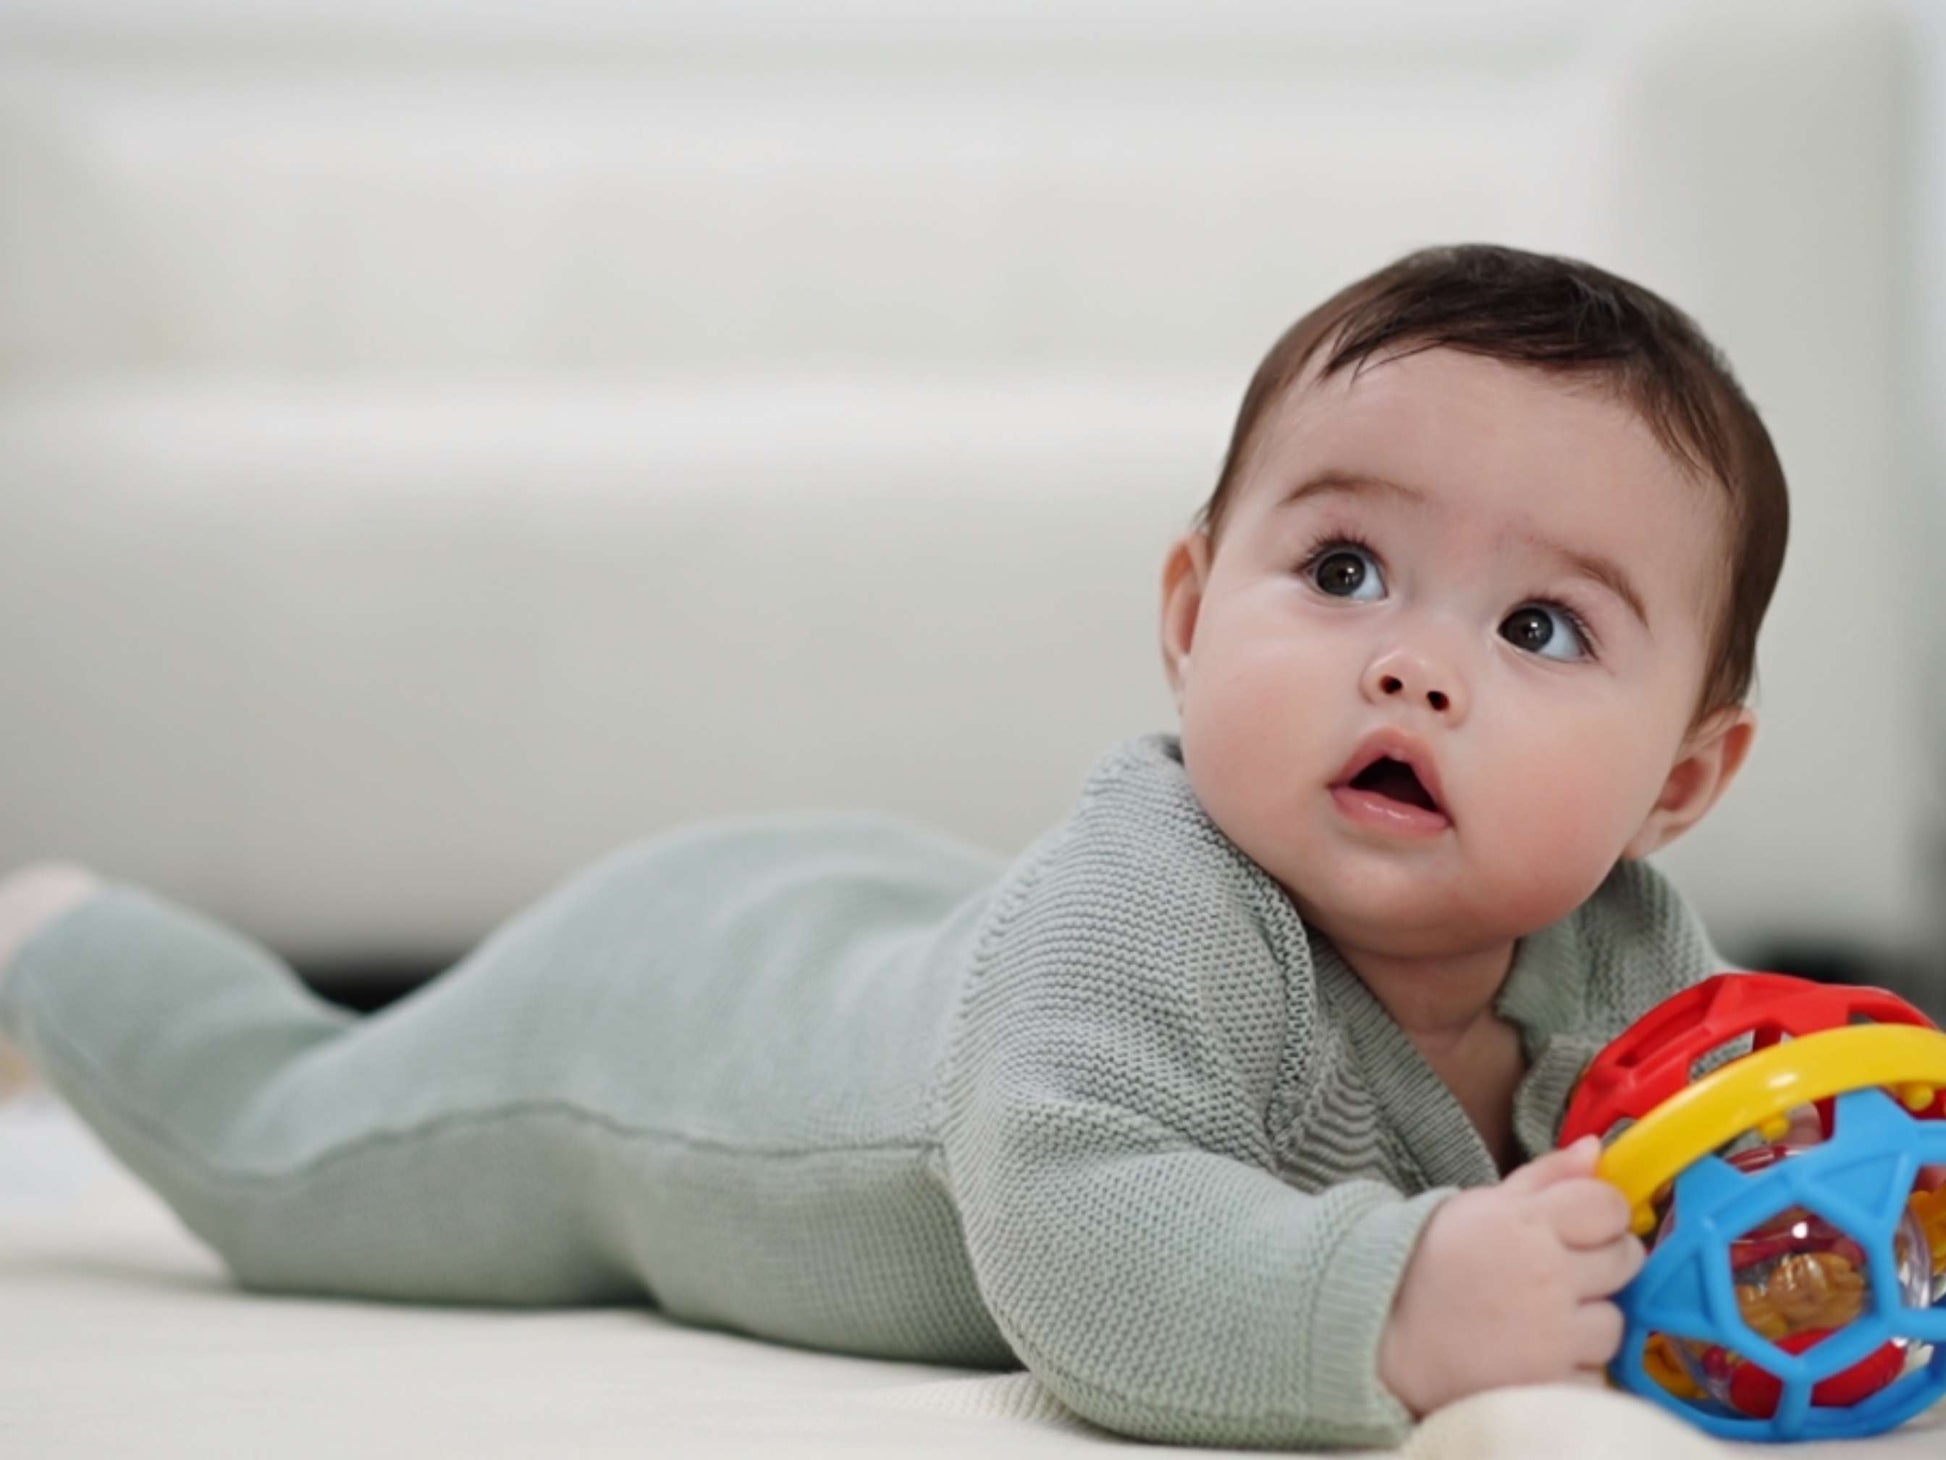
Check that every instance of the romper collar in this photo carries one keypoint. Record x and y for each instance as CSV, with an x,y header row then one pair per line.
x,y
1541,996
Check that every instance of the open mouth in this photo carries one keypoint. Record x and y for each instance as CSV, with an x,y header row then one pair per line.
x,y
1394,780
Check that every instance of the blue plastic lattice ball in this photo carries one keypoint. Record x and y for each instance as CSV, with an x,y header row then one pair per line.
x,y
1847,1194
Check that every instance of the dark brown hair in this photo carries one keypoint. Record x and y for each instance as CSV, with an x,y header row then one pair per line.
x,y
1564,317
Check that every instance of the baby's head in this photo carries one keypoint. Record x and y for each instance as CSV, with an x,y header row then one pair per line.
x,y
1517,511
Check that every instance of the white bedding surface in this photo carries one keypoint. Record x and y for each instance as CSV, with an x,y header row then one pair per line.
x,y
120,1336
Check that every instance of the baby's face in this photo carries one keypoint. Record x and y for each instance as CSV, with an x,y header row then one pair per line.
x,y
1552,743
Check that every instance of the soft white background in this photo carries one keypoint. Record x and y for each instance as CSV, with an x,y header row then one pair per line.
x,y
444,440
1927,400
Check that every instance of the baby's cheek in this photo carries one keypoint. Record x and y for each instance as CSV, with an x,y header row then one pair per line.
x,y
1539,823
1255,752
1550,840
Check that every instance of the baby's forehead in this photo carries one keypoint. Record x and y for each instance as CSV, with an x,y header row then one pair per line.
x,y
1324,387
1460,406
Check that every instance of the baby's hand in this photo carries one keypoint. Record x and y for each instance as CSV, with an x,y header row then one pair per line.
x,y
1509,1285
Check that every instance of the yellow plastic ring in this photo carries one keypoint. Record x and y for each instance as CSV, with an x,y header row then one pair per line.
x,y
1758,1087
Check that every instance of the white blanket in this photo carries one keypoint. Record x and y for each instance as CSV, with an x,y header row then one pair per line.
x,y
120,1336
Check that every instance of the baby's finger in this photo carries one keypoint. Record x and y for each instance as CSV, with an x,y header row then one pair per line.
x,y
1594,1335
1569,1161
1585,1211
1600,1271
1931,1178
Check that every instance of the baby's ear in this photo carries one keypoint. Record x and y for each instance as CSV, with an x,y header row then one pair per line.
x,y
1711,758
1185,572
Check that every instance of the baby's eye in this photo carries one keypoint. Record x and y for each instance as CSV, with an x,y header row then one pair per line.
x,y
1340,571
1528,627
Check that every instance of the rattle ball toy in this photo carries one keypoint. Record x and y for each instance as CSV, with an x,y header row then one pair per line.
x,y
1796,1257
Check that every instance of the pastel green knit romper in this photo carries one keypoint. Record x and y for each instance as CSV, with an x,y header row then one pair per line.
x,y
1110,1110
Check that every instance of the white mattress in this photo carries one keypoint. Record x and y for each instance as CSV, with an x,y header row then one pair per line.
x,y
120,1335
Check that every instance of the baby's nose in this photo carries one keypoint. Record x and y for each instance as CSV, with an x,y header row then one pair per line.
x,y
1406,674
1437,698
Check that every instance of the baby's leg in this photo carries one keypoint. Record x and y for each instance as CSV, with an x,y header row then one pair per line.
x,y
432,1151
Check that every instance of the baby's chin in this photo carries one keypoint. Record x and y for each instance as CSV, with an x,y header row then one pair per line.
x,y
1430,945
1402,925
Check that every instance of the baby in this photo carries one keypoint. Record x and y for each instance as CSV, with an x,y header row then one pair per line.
x,y
1227,1108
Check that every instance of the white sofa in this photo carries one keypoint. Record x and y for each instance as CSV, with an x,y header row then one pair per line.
x,y
441,442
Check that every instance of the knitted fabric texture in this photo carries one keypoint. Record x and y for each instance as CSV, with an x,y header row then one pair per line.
x,y
1111,1111
1191,1149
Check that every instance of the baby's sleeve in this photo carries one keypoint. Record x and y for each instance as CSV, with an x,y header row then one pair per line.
x,y
1102,1123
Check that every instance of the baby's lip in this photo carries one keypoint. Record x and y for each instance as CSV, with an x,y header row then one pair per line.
x,y
1387,742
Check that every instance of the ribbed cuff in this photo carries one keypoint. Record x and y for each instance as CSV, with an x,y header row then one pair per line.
x,y
1353,1305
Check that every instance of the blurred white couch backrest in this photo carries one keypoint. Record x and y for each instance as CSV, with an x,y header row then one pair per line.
x,y
441,442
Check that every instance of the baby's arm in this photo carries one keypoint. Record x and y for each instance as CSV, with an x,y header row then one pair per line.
x,y
1170,1291
1163,1283
1124,1067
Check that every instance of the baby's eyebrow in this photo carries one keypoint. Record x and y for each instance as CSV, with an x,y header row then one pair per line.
x,y
1592,566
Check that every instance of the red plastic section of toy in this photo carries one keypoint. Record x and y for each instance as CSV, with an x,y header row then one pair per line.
x,y
1756,1391
1651,1059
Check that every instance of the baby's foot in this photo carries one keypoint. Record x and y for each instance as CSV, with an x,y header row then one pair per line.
x,y
17,1072
30,899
